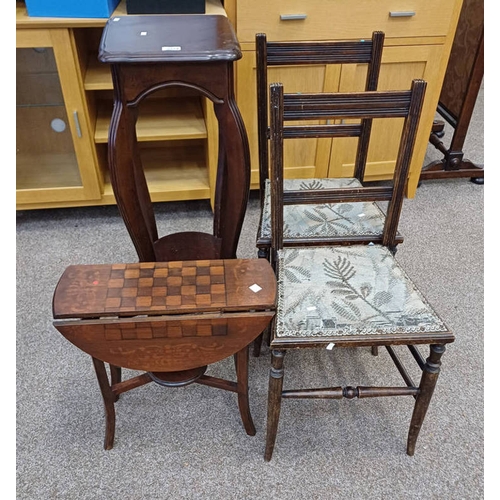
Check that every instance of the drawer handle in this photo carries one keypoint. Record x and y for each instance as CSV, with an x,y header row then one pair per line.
x,y
293,17
401,13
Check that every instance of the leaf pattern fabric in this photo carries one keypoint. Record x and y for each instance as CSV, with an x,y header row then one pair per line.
x,y
351,290
329,219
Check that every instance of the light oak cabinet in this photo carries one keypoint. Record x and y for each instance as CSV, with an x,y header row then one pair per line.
x,y
64,98
419,34
400,65
304,157
64,105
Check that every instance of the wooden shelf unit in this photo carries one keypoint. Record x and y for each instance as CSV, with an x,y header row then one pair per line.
x,y
172,120
178,170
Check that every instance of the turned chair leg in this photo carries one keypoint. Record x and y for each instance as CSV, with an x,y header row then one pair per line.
x,y
274,401
241,364
258,342
427,384
109,402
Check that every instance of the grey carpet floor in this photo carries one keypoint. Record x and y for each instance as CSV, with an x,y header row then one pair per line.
x,y
189,443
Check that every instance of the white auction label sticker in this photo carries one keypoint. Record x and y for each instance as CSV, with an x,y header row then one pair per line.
x,y
255,288
171,47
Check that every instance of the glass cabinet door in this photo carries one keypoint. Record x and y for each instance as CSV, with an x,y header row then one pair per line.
x,y
55,156
46,155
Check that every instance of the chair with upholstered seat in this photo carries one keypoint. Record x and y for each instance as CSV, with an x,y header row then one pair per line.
x,y
354,223
354,295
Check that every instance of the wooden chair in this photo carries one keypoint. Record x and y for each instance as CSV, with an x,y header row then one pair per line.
x,y
360,222
354,295
168,319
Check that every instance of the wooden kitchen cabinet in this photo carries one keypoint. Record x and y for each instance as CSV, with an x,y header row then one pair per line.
x,y
418,41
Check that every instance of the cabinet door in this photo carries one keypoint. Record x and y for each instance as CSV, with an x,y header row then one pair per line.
x,y
55,160
400,65
304,158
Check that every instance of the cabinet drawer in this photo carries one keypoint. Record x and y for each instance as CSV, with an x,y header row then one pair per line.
x,y
339,19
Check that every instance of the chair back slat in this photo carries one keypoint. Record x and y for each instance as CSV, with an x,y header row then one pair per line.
x,y
333,106
340,195
319,131
285,53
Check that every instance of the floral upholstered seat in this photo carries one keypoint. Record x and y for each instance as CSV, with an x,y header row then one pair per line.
x,y
327,292
323,220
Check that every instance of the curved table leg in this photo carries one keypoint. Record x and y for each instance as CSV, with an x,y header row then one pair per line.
x,y
232,197
116,377
241,364
109,402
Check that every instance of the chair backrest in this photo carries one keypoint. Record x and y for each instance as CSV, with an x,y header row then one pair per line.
x,y
370,105
306,53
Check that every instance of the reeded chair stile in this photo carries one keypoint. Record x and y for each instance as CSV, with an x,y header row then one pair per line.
x,y
354,295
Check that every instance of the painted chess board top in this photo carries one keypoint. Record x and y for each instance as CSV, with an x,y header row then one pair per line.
x,y
158,288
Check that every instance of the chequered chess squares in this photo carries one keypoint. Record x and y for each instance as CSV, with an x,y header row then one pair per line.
x,y
165,329
165,285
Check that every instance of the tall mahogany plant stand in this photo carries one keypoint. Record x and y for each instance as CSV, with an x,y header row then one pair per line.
x,y
150,53
461,86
